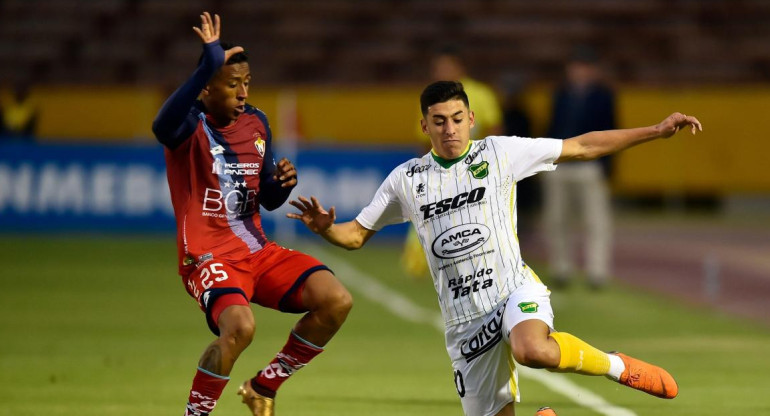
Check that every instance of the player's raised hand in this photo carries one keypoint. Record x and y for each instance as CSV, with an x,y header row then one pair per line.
x,y
676,121
210,30
312,214
286,173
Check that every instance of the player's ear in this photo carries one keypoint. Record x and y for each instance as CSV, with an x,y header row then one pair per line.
x,y
424,125
205,91
471,119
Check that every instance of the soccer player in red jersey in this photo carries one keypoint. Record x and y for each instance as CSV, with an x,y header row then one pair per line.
x,y
220,171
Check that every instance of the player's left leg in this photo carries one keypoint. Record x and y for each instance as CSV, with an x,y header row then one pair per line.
x,y
326,304
535,344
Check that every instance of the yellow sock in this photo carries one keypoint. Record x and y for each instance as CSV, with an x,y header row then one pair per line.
x,y
579,357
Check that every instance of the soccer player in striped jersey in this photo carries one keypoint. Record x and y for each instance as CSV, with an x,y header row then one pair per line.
x,y
461,198
221,169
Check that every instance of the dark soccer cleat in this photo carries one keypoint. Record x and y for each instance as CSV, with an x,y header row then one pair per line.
x,y
647,378
258,404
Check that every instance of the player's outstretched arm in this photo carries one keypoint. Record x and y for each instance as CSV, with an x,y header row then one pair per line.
x,y
173,124
596,144
350,235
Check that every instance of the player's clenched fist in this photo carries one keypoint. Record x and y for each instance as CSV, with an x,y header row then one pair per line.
x,y
286,173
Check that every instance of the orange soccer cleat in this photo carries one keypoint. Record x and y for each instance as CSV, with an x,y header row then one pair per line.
x,y
258,404
647,378
545,411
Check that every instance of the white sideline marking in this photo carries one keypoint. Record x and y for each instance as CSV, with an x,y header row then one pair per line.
x,y
407,310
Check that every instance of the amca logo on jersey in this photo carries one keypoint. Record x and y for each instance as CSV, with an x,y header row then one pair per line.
x,y
436,208
460,240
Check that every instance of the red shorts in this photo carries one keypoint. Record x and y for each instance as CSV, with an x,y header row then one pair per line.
x,y
272,277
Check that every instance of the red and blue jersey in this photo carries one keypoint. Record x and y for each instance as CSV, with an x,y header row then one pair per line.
x,y
218,176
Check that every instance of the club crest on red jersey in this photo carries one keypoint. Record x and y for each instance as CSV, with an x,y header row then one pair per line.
x,y
259,144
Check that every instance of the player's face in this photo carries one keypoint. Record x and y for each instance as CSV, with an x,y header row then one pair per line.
x,y
226,93
448,125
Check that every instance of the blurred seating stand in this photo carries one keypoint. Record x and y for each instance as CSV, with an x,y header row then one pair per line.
x,y
373,41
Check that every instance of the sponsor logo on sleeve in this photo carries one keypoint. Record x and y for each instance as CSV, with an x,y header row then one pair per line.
x,y
528,307
460,240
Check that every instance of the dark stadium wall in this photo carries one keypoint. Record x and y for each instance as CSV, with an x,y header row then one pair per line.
x,y
722,160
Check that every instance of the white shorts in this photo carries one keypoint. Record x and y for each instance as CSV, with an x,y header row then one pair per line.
x,y
484,369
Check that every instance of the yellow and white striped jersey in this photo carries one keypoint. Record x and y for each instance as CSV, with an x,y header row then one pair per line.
x,y
464,212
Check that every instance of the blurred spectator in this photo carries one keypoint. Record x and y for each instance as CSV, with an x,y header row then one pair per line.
x,y
516,122
19,112
447,65
583,103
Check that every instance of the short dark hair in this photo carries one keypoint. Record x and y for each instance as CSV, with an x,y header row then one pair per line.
x,y
235,59
442,91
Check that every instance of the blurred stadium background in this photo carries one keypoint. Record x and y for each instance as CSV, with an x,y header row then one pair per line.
x,y
339,80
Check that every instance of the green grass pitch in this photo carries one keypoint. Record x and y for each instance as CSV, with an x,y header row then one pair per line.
x,y
102,326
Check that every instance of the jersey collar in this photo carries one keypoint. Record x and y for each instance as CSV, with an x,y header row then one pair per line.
x,y
446,164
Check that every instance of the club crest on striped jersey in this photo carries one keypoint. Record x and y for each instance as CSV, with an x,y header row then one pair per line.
x,y
479,170
259,143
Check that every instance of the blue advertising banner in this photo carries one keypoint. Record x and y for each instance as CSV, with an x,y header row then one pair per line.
x,y
123,188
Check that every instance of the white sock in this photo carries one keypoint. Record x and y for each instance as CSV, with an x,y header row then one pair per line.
x,y
616,367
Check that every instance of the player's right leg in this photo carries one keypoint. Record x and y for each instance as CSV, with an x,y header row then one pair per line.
x,y
236,327
229,317
484,370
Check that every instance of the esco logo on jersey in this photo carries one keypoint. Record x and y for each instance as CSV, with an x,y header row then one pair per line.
x,y
460,200
460,240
